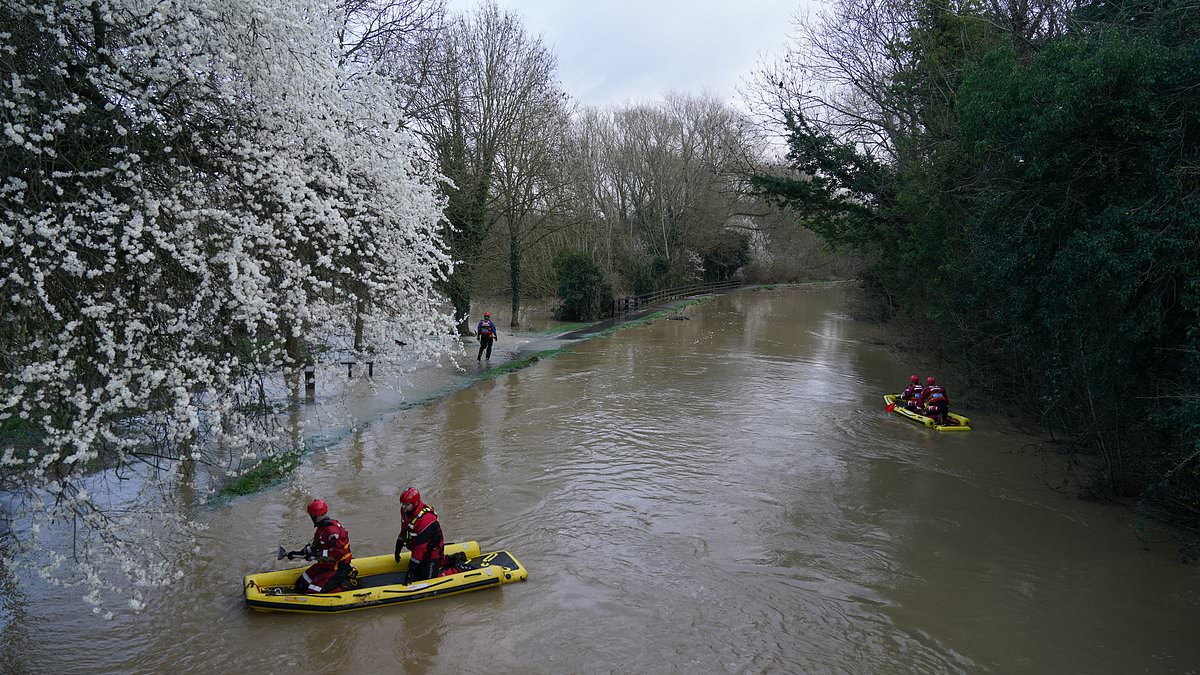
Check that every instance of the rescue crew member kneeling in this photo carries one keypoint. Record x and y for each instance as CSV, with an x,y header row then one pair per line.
x,y
330,546
421,533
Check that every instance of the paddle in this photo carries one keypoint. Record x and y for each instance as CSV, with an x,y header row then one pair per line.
x,y
891,406
290,555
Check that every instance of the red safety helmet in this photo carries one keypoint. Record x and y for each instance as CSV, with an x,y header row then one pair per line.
x,y
914,379
930,380
410,496
486,314
318,507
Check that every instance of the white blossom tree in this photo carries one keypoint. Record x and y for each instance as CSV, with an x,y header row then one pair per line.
x,y
186,187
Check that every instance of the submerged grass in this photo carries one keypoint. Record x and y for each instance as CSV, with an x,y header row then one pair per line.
x,y
276,468
524,362
653,316
564,328
272,470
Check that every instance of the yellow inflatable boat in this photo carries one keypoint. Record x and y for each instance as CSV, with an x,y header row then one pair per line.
x,y
960,423
379,583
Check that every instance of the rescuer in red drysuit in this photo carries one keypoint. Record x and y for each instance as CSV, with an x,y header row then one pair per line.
x,y
421,533
937,403
332,573
912,391
914,394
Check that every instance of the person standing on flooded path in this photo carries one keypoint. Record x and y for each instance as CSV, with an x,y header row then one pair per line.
x,y
486,333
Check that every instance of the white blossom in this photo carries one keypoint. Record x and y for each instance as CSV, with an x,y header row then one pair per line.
x,y
193,181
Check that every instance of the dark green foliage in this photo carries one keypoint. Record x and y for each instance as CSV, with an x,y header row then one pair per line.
x,y
467,222
1085,224
585,291
1042,211
730,253
642,272
681,270
645,273
643,278
846,197
843,194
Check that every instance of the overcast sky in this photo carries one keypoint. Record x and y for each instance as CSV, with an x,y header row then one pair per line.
x,y
614,51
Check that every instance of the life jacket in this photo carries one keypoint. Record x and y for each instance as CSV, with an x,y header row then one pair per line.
x,y
486,328
937,394
422,534
409,530
331,541
913,393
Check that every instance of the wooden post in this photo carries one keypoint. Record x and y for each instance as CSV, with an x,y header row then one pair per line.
x,y
370,369
310,382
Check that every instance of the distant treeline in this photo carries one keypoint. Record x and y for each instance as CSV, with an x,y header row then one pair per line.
x,y
1023,180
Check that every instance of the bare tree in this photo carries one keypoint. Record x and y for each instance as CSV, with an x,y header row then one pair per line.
x,y
373,31
532,184
487,75
658,183
843,70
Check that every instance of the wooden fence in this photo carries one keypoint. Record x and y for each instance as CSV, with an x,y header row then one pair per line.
x,y
632,303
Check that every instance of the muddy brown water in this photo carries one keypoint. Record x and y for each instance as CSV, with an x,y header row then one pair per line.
x,y
717,494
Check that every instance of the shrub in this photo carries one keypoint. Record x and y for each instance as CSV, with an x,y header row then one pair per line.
x,y
585,291
728,254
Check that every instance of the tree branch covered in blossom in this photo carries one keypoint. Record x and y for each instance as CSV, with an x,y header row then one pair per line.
x,y
188,186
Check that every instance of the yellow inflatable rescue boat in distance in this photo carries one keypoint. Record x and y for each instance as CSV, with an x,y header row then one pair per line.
x,y
960,423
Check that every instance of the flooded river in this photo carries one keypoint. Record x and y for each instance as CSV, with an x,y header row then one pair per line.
x,y
718,494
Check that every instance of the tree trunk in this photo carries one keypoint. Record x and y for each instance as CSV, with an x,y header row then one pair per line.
x,y
360,308
458,289
514,273
291,365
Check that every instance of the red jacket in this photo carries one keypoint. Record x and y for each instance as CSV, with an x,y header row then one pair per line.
x,y
936,394
422,534
331,542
